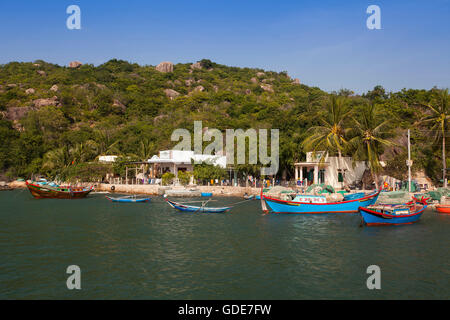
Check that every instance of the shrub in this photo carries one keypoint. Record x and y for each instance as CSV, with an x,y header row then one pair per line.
x,y
167,178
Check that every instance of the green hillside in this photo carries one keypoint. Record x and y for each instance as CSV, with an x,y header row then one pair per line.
x,y
56,120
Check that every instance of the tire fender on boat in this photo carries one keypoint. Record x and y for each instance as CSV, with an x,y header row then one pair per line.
x,y
113,188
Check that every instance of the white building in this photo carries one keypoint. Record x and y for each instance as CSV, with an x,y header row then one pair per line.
x,y
329,171
176,160
107,159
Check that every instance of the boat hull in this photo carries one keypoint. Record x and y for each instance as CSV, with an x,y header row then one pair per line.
x,y
374,218
42,192
271,205
186,208
129,200
443,208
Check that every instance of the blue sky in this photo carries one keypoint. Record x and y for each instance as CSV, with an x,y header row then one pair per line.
x,y
323,43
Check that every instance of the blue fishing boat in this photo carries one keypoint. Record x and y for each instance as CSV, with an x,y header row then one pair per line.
x,y
309,204
393,214
128,199
207,194
195,209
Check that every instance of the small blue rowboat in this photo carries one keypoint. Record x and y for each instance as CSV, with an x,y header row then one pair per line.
x,y
206,194
130,199
316,204
393,214
195,209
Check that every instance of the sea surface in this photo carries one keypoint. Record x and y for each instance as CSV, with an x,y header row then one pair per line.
x,y
151,251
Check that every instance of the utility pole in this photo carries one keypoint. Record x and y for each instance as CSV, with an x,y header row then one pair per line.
x,y
409,162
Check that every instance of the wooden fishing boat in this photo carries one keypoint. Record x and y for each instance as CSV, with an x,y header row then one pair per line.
x,y
308,204
195,209
128,199
45,190
393,214
443,208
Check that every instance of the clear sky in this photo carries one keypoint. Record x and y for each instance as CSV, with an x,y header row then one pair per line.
x,y
324,43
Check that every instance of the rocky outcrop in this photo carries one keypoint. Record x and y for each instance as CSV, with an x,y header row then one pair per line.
x,y
120,105
30,91
75,64
42,73
260,74
254,80
267,87
54,88
165,66
296,81
16,113
197,90
196,65
189,82
171,94
45,102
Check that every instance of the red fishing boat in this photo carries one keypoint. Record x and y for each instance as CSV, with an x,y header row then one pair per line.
x,y
443,208
44,190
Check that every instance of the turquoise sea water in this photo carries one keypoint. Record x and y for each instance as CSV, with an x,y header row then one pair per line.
x,y
151,251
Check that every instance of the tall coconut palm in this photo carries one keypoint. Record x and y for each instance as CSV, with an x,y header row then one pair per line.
x,y
369,138
440,121
84,151
330,136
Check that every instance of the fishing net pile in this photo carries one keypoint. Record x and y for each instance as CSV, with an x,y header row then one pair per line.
x,y
438,194
279,192
394,197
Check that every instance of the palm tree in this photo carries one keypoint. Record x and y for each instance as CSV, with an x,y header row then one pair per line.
x,y
369,139
84,151
57,159
330,136
439,120
105,143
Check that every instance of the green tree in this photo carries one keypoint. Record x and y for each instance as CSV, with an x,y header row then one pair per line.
x,y
330,135
439,120
370,136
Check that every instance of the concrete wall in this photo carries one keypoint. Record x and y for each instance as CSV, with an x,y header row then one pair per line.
x,y
351,175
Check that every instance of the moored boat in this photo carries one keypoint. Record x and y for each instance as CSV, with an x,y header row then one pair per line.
x,y
128,199
309,204
195,209
442,208
45,190
393,214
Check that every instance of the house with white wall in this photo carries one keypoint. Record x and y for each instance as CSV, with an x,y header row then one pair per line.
x,y
328,170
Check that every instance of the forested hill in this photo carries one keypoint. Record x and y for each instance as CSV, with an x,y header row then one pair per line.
x,y
55,117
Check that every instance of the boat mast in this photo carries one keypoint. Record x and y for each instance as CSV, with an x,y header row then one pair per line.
x,y
409,163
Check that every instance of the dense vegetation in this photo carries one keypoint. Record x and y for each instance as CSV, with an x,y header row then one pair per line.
x,y
123,108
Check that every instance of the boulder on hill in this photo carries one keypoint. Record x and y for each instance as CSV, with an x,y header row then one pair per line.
x,y
260,74
171,94
267,87
30,91
75,64
296,81
165,66
42,73
196,65
54,88
118,104
16,113
45,102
